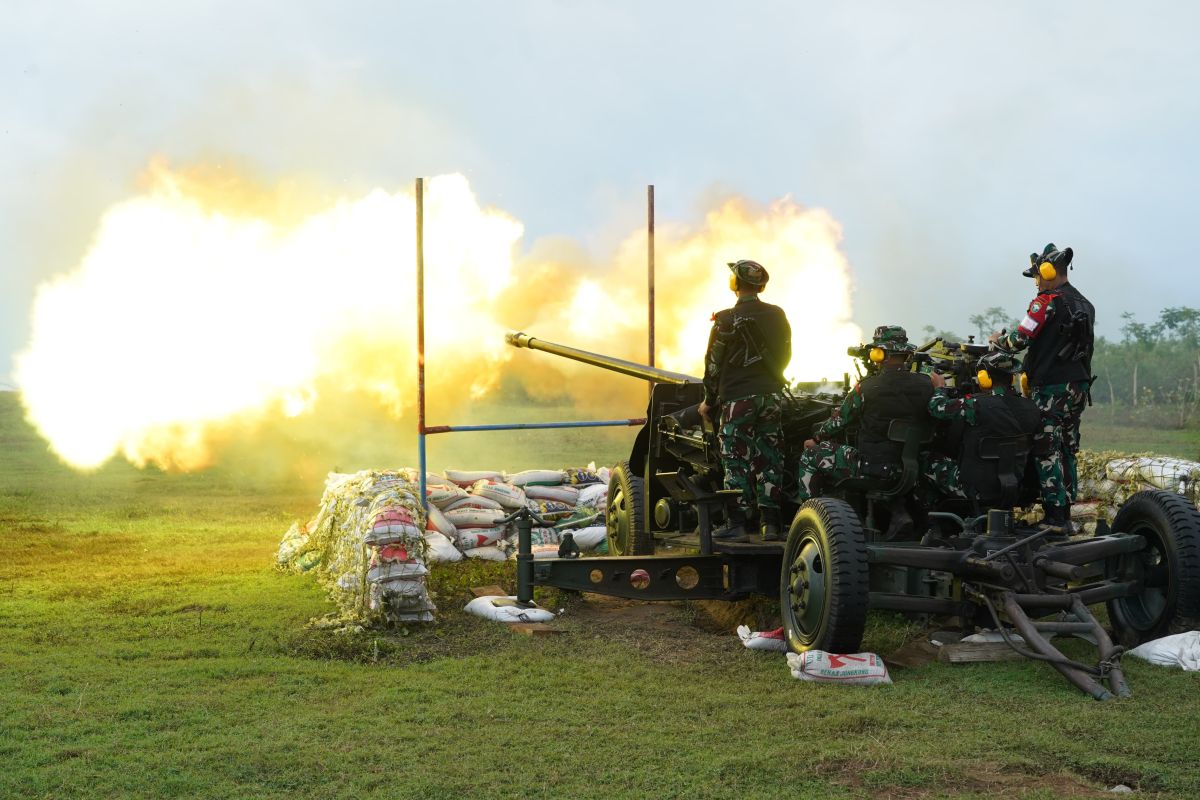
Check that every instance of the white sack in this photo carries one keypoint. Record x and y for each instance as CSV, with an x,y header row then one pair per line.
x,y
856,669
474,501
589,538
538,477
762,640
1179,650
468,479
439,548
502,493
487,608
436,521
563,494
594,495
470,538
473,518
486,553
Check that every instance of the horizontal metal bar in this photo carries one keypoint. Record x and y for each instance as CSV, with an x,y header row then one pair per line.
x,y
520,426
884,601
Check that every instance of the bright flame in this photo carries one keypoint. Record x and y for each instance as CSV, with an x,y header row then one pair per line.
x,y
205,304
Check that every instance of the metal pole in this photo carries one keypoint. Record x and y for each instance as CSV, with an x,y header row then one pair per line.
x,y
420,204
650,264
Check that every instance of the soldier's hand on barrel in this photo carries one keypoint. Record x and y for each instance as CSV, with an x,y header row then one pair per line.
x,y
810,443
704,411
937,380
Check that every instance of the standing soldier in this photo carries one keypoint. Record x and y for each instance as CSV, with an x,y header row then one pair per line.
x,y
890,394
748,349
1058,330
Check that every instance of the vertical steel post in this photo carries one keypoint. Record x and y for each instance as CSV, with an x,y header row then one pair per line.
x,y
650,266
420,205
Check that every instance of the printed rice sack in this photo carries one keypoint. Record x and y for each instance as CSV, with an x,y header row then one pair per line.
x,y
486,553
544,551
443,496
582,477
551,510
473,518
436,521
469,538
467,479
504,494
773,641
563,494
537,477
593,496
857,669
392,525
474,501
504,609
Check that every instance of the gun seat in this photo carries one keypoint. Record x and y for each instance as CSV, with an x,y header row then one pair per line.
x,y
1010,454
913,434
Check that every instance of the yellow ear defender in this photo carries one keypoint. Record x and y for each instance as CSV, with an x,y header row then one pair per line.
x,y
1047,271
733,282
1024,384
877,355
985,380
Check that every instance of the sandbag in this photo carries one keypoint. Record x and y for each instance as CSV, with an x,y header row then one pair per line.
x,y
502,493
392,525
581,477
857,669
467,479
503,609
588,538
474,501
563,494
541,551
405,587
473,518
436,521
551,510
490,553
440,548
773,641
593,496
537,477
443,496
1178,650
469,538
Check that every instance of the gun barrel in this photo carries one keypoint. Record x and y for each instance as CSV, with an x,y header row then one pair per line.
x,y
631,368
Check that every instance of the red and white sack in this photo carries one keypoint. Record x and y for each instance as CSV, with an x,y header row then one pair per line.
x,y
541,551
474,501
433,479
468,479
563,494
436,521
392,525
855,669
504,494
443,496
469,538
504,609
537,477
486,553
773,641
439,548
594,495
473,518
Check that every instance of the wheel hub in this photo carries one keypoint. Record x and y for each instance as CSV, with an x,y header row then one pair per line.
x,y
806,589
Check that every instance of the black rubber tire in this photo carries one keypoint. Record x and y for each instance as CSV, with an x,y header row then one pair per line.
x,y
824,585
1171,525
625,517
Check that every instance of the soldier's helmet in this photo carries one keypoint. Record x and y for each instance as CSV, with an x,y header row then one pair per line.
x,y
749,272
1061,259
893,339
998,362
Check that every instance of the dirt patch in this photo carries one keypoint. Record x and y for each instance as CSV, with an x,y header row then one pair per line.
x,y
664,632
874,780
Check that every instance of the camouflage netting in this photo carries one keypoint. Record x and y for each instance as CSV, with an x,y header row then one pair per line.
x,y
1108,478
371,542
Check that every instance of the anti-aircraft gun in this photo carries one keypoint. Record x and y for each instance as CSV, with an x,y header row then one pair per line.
x,y
986,568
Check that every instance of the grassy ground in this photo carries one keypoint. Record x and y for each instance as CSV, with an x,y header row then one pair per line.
x,y
148,649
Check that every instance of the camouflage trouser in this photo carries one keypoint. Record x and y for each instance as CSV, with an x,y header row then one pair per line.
x,y
751,438
940,478
1058,441
829,460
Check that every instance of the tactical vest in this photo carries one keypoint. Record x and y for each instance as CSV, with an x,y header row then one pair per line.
x,y
889,395
1062,352
998,418
747,371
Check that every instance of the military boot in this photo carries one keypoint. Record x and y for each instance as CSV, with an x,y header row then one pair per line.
x,y
772,525
734,529
1058,517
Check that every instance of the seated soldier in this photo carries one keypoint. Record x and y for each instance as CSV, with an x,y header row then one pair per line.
x,y
996,413
892,393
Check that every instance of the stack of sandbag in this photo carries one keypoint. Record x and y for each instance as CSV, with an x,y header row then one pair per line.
x,y
367,545
1108,479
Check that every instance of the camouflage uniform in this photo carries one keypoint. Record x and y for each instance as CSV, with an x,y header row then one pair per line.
x,y
751,439
1060,384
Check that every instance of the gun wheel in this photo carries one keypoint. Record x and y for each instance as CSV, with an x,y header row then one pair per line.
x,y
628,534
1168,569
823,589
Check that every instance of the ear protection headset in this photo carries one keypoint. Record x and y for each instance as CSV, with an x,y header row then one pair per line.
x,y
1047,271
877,355
732,282
984,379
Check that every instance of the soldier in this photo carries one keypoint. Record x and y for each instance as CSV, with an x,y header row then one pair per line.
x,y
891,393
1058,331
997,410
748,349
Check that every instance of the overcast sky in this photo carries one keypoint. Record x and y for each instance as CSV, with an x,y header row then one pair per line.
x,y
949,138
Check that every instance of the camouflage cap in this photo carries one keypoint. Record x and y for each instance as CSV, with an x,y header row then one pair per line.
x,y
749,272
1061,259
892,338
1000,362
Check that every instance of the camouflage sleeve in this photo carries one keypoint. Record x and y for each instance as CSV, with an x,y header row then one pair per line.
x,y
847,415
944,407
714,356
1040,312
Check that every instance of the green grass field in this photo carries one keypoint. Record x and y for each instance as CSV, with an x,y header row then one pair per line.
x,y
149,649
